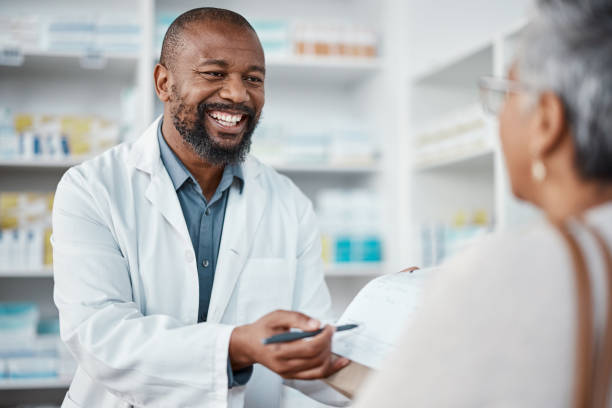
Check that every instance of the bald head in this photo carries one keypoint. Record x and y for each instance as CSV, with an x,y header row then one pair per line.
x,y
174,38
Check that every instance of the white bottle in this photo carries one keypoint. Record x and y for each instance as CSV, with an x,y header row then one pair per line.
x,y
3,250
22,250
9,146
27,145
35,248
10,246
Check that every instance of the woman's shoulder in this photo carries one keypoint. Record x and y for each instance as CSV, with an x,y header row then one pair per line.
x,y
522,248
515,264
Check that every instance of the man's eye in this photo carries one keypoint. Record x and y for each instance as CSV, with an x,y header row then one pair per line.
x,y
214,74
254,79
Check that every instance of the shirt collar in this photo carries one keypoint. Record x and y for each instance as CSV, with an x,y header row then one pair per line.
x,y
179,174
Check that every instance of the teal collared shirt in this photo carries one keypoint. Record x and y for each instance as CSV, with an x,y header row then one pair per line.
x,y
205,225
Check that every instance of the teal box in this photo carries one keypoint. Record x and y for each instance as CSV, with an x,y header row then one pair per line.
x,y
343,249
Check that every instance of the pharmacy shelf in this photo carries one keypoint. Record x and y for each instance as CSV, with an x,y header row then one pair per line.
x,y
34,383
72,63
327,168
459,67
336,270
46,272
478,157
333,71
45,164
354,270
40,164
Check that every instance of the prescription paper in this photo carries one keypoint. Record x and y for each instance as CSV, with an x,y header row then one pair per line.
x,y
382,309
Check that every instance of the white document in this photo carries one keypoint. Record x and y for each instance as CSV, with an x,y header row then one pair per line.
x,y
382,309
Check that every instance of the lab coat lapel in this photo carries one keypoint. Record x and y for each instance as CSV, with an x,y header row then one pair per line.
x,y
242,218
145,156
162,196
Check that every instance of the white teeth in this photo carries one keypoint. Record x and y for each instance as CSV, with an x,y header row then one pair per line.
x,y
227,118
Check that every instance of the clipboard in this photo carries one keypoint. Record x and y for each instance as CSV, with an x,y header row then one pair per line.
x,y
398,295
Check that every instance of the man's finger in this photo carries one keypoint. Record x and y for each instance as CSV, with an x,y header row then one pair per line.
x,y
338,364
288,319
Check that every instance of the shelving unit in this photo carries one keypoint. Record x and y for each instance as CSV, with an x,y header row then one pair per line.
x,y
302,93
30,164
65,164
334,270
52,82
367,270
327,169
27,273
35,384
329,70
73,63
447,181
420,75
479,158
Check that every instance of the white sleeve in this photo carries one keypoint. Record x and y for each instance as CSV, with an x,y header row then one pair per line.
x,y
144,360
312,298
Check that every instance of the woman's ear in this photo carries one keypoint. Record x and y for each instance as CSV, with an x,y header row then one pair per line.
x,y
162,82
548,127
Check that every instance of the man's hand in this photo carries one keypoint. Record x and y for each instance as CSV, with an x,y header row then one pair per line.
x,y
306,359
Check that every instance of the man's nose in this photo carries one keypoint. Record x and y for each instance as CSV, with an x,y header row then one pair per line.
x,y
234,90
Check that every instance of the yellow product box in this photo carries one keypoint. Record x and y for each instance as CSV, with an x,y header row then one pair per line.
x,y
78,130
9,205
23,122
34,208
48,250
19,210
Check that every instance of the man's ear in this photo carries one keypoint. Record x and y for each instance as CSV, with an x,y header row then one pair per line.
x,y
548,125
162,82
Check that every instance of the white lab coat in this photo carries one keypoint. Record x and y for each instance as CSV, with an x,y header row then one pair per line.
x,y
126,281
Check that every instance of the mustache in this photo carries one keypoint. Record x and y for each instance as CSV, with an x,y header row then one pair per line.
x,y
204,107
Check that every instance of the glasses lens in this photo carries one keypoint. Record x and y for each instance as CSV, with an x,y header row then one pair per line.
x,y
492,100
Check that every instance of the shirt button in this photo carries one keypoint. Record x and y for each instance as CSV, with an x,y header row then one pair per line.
x,y
205,263
207,212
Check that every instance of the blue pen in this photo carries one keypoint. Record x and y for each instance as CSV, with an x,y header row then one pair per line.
x,y
292,336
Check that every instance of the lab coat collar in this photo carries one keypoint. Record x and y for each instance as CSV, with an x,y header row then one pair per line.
x,y
242,216
145,155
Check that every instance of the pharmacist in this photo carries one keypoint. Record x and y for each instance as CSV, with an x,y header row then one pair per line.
x,y
174,254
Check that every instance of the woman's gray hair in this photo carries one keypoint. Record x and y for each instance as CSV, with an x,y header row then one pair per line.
x,y
567,49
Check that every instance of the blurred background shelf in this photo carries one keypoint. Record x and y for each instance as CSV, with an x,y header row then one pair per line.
x,y
39,164
332,71
370,270
420,199
456,67
72,63
480,157
35,383
27,273
46,164
327,169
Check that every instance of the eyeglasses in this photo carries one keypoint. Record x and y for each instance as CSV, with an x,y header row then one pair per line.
x,y
495,91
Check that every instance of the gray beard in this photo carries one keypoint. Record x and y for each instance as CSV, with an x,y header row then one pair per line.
x,y
196,136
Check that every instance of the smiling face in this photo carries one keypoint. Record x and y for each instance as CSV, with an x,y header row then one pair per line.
x,y
215,90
